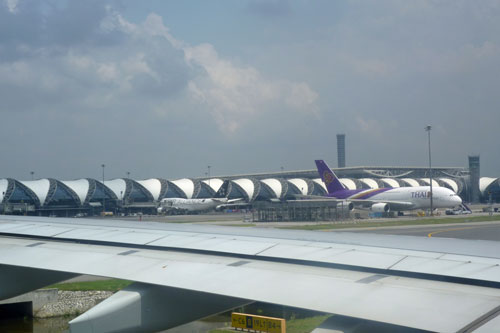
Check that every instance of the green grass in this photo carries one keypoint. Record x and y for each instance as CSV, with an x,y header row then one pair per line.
x,y
190,221
102,285
237,225
304,325
420,221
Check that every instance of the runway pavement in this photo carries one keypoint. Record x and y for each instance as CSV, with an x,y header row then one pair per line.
x,y
478,230
473,230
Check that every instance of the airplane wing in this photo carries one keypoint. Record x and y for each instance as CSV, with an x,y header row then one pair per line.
x,y
235,200
229,203
225,201
185,272
358,203
393,205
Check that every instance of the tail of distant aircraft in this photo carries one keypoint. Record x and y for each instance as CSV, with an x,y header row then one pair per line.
x,y
223,191
331,181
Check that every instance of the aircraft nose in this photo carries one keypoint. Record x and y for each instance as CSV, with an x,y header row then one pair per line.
x,y
458,200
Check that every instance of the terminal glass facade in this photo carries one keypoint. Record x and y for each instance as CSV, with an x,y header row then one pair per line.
x,y
137,194
205,192
20,195
100,193
62,197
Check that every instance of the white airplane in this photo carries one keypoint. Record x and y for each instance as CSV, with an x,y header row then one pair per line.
x,y
386,199
193,205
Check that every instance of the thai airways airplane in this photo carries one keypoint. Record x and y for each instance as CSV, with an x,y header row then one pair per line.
x,y
192,205
386,199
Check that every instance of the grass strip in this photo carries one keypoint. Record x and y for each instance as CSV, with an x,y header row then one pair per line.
x,y
371,224
304,325
237,225
102,285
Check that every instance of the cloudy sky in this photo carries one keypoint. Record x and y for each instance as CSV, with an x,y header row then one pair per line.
x,y
166,88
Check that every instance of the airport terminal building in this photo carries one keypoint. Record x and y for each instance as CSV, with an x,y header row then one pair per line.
x,y
90,196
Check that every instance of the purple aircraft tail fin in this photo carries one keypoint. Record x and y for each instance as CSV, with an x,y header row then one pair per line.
x,y
331,181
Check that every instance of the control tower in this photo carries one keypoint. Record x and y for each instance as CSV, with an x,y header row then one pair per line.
x,y
341,150
474,178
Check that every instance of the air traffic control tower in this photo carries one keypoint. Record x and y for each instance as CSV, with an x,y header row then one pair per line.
x,y
474,175
341,150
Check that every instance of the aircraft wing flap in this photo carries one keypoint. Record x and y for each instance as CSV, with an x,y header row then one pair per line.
x,y
335,255
303,252
212,243
30,228
120,236
490,326
354,255
6,227
81,233
462,269
359,256
423,304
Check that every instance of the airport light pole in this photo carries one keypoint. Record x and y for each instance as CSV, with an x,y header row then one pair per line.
x,y
209,174
128,174
32,175
428,130
103,190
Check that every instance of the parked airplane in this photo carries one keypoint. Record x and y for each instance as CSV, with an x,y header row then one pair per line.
x,y
386,199
192,205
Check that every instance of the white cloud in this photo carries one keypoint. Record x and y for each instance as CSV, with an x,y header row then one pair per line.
x,y
146,64
11,5
383,70
234,94
368,126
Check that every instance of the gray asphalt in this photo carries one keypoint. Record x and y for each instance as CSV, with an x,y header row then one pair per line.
x,y
478,231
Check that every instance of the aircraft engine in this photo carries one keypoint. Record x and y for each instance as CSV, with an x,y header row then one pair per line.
x,y
345,205
380,207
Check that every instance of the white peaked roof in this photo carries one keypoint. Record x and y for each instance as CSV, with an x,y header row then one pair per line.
x,y
453,184
348,183
274,184
39,187
186,185
370,182
484,182
390,182
153,185
79,186
320,183
428,182
118,186
410,181
247,185
301,184
4,183
214,183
